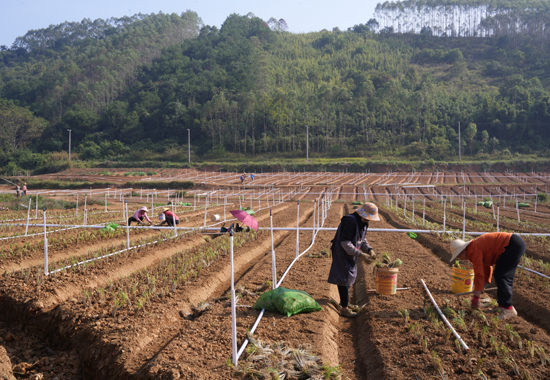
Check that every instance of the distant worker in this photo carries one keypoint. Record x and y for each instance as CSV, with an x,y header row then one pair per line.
x,y
349,244
243,177
139,215
500,249
18,191
25,189
169,217
251,177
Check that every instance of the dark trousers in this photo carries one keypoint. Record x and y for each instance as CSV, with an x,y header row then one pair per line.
x,y
344,295
505,270
170,221
132,219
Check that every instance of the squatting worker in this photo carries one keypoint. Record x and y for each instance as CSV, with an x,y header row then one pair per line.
x,y
349,244
169,217
504,250
139,215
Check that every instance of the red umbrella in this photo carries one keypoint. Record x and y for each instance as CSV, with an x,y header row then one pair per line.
x,y
246,218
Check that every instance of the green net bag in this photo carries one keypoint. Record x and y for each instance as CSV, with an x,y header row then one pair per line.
x,y
287,301
265,301
110,227
291,302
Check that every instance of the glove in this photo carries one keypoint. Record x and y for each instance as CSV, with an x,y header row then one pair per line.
x,y
372,253
368,259
475,302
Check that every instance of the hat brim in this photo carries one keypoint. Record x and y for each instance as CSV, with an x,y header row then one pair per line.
x,y
459,250
369,216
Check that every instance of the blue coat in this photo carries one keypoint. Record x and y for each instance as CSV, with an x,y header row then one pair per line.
x,y
343,270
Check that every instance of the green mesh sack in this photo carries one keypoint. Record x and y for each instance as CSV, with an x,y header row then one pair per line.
x,y
291,302
357,203
185,204
488,204
110,227
520,204
265,301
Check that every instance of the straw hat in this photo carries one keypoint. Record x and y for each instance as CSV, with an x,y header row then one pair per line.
x,y
457,246
368,211
144,208
164,209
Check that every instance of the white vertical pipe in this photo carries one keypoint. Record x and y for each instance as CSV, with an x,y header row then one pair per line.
x,y
444,213
498,217
273,262
76,208
105,202
36,214
413,209
152,204
463,222
205,210
424,213
314,207
126,217
298,231
233,310
45,245
28,216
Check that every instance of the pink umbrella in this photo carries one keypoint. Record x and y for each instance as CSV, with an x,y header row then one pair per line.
x,y
246,218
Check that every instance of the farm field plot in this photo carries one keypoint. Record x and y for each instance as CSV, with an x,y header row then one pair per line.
x,y
161,310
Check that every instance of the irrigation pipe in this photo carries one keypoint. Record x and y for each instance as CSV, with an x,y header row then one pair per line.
x,y
245,342
394,230
40,233
445,319
530,270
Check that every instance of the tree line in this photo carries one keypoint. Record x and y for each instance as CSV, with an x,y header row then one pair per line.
x,y
251,88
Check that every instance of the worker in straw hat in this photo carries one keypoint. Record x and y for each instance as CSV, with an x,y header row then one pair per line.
x,y
349,244
169,217
139,215
499,249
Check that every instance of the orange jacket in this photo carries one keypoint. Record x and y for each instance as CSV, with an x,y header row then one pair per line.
x,y
484,252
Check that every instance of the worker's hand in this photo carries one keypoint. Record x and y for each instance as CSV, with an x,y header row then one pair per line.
x,y
475,303
371,253
368,259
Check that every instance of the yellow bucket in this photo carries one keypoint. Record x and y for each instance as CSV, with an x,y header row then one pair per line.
x,y
386,280
463,280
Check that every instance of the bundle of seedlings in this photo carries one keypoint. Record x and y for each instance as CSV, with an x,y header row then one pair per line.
x,y
387,262
279,360
463,265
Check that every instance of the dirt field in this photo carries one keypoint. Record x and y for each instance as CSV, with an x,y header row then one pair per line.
x,y
141,314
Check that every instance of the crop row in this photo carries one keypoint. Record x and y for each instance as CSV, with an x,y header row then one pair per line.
x,y
489,340
138,290
63,269
29,249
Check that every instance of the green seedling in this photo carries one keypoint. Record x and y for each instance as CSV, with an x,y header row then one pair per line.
x,y
405,314
542,354
477,370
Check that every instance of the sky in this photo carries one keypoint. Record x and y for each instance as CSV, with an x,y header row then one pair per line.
x,y
17,17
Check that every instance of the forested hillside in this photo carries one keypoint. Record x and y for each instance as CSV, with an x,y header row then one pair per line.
x,y
129,89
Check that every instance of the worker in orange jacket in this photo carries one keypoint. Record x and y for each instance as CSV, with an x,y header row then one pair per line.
x,y
499,249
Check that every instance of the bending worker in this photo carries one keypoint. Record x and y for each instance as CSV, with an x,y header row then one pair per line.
x,y
349,244
496,248
169,217
139,215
